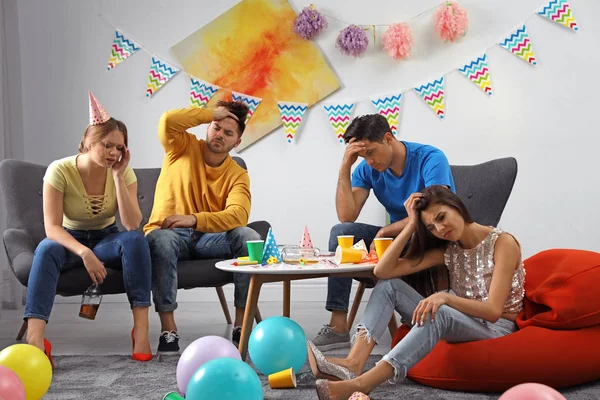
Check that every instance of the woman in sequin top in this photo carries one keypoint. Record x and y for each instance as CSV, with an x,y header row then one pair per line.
x,y
482,267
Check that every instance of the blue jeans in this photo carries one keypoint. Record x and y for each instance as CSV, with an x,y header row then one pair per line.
x,y
450,325
167,246
126,250
338,289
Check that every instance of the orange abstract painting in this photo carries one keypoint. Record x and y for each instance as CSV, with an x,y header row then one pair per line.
x,y
253,49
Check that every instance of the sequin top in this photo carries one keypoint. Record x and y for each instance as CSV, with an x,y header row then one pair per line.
x,y
470,272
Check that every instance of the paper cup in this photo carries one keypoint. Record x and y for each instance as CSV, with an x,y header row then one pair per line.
x,y
381,245
346,240
255,250
347,255
173,396
285,379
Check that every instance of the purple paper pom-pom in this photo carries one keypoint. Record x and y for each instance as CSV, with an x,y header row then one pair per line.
x,y
352,41
309,23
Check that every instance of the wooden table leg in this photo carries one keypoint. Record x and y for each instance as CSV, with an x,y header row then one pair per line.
x,y
249,313
286,298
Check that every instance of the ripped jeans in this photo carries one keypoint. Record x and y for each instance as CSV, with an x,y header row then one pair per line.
x,y
450,325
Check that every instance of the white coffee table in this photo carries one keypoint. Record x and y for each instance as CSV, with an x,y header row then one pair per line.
x,y
285,273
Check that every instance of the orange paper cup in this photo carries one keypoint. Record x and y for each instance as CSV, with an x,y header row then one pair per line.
x,y
381,245
347,255
285,379
346,240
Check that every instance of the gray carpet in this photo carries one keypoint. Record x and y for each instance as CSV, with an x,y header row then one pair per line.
x,y
118,377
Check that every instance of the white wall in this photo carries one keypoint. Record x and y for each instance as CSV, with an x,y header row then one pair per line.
x,y
543,116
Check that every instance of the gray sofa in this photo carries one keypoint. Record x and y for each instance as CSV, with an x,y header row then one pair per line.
x,y
21,186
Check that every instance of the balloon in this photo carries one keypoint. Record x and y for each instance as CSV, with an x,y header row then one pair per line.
x,y
199,352
277,343
225,379
531,391
31,366
11,386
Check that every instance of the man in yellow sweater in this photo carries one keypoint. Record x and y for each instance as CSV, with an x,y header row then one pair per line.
x,y
201,206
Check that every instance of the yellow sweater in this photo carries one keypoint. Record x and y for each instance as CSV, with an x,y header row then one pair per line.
x,y
218,197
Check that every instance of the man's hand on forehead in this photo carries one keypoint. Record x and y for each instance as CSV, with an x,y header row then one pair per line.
x,y
220,113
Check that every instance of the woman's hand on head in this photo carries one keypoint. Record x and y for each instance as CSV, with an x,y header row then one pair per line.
x,y
411,208
120,166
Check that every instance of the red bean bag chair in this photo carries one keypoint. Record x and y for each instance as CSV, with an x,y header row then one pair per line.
x,y
557,340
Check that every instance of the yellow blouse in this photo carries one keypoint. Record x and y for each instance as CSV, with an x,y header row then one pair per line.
x,y
80,210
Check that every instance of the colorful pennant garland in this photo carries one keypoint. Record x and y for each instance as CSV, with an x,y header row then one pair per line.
x,y
560,12
339,117
433,94
389,107
122,49
291,116
201,92
519,44
251,101
160,73
478,72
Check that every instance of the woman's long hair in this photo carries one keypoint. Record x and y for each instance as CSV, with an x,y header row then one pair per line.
x,y
434,279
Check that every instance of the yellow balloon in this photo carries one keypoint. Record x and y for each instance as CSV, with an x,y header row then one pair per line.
x,y
31,366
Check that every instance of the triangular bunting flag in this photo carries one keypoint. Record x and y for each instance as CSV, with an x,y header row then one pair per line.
x,y
478,72
201,92
306,243
389,107
250,101
433,94
519,44
270,249
559,11
160,73
339,117
291,116
122,49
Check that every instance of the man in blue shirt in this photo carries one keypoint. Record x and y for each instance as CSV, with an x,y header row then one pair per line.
x,y
394,170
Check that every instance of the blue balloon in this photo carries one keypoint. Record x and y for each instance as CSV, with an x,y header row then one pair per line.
x,y
276,344
225,379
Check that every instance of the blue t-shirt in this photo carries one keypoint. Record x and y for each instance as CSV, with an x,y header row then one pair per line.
x,y
425,166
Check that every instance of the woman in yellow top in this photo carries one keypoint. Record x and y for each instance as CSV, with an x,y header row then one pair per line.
x,y
82,195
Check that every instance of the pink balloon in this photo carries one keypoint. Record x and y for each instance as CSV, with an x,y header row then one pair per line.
x,y
199,352
531,391
11,386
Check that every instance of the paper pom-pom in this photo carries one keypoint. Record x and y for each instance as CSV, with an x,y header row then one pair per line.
x,y
309,23
352,41
398,41
451,21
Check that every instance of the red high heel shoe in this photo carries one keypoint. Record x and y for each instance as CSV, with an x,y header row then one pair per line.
x,y
138,356
48,352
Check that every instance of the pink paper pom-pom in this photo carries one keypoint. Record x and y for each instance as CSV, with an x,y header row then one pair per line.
x,y
352,41
398,41
451,21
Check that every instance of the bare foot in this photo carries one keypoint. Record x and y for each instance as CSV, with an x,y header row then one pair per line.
x,y
347,363
343,389
142,342
37,342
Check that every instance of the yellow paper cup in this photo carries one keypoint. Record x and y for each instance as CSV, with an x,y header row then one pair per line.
x,y
285,379
347,255
381,245
346,240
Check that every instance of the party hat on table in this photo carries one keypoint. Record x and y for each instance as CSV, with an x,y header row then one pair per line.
x,y
98,114
306,243
270,249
